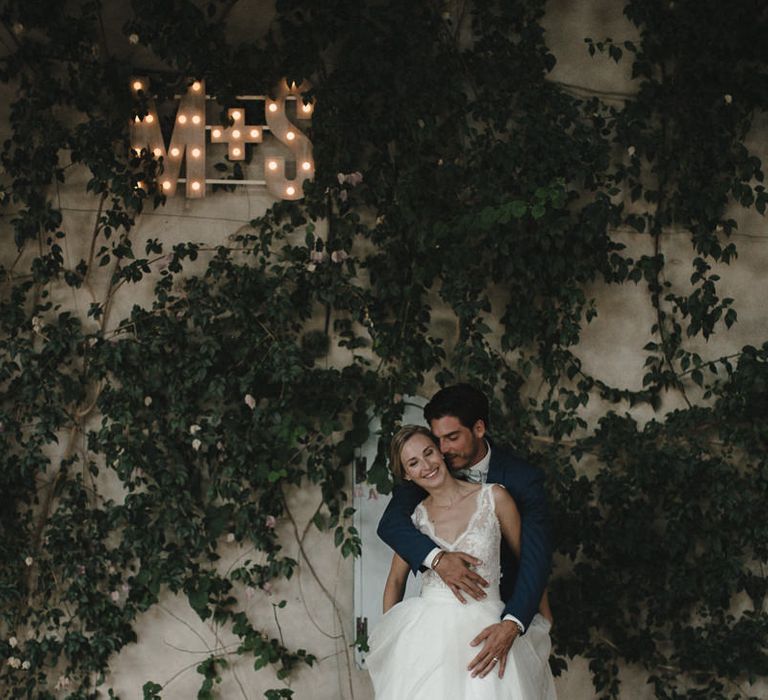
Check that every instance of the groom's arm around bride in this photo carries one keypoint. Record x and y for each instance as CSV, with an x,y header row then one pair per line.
x,y
458,417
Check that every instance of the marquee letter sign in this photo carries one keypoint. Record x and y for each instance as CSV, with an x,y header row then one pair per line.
x,y
188,142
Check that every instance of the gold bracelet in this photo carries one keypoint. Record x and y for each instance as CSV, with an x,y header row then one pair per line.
x,y
438,559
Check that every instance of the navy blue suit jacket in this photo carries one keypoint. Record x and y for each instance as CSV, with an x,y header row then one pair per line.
x,y
522,585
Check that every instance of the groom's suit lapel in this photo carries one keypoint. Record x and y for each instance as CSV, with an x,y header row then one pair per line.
x,y
495,467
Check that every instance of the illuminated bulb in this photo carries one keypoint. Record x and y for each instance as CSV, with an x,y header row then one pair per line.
x,y
139,185
290,136
196,119
196,86
273,107
157,152
137,150
236,115
306,165
167,185
195,185
138,85
290,191
175,152
195,152
254,133
149,118
236,134
137,119
272,165
235,152
306,107
182,119
216,133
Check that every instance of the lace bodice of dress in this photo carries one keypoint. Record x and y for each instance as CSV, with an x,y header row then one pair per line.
x,y
481,539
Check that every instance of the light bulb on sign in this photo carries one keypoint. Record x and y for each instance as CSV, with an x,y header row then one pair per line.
x,y
290,190
272,107
196,86
254,133
290,136
157,153
167,185
236,152
149,118
306,165
236,134
216,133
272,165
196,186
182,119
175,152
236,115
138,85
306,108
196,119
195,152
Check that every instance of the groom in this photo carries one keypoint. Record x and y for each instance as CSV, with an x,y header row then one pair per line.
x,y
458,418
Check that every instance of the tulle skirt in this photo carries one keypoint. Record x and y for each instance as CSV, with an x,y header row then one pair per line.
x,y
420,651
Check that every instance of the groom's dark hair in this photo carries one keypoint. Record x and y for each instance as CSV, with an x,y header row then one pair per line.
x,y
463,401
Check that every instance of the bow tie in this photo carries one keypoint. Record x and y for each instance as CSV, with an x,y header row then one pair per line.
x,y
473,476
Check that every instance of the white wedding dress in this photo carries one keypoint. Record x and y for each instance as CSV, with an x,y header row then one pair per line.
x,y
420,649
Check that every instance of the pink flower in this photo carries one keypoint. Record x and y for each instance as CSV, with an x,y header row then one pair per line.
x,y
196,444
318,256
250,401
267,587
115,595
339,256
270,521
354,178
250,591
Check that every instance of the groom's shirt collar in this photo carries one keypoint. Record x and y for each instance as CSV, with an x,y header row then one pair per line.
x,y
484,464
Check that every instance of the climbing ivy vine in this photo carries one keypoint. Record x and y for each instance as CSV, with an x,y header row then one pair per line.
x,y
463,214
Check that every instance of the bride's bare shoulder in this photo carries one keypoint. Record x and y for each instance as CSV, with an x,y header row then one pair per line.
x,y
502,497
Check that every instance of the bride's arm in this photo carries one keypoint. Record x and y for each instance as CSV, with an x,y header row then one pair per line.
x,y
394,589
509,519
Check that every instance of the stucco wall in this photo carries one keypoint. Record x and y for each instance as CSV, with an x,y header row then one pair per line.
x,y
319,614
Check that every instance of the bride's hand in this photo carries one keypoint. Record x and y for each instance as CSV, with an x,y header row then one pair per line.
x,y
456,574
497,641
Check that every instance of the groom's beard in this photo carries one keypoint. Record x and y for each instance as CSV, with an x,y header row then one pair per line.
x,y
457,461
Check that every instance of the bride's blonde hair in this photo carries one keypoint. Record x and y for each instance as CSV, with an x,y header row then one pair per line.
x,y
398,442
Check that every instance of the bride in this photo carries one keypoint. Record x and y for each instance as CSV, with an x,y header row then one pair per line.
x,y
423,648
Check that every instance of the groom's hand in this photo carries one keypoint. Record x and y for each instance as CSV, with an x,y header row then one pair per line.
x,y
456,574
497,641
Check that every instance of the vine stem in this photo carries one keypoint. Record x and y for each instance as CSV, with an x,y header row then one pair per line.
x,y
326,592
657,231
94,236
